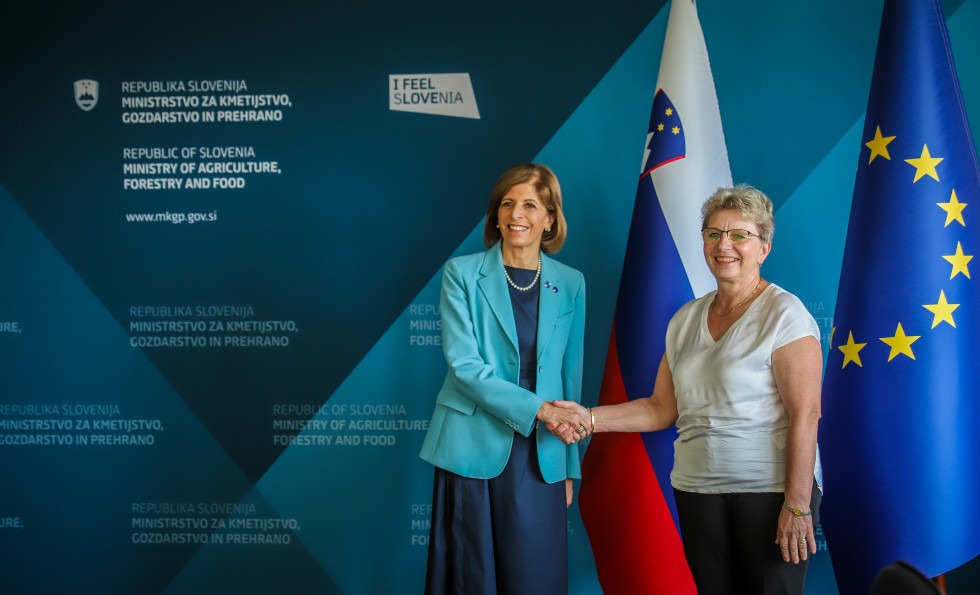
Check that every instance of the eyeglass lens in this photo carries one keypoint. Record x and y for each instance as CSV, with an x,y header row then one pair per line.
x,y
735,236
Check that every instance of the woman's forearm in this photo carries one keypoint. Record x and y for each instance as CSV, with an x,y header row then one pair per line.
x,y
801,452
639,415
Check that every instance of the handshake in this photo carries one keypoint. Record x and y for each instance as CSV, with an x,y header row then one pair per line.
x,y
566,420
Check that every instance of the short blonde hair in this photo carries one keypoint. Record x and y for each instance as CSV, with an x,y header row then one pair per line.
x,y
751,202
546,185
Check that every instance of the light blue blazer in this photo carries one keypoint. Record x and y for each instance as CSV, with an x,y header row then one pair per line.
x,y
480,405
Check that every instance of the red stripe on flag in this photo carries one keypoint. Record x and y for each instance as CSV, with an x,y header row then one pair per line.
x,y
624,511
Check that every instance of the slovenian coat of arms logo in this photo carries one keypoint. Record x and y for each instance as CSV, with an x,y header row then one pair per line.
x,y
86,93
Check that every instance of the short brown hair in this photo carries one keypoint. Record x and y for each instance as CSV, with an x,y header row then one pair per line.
x,y
546,185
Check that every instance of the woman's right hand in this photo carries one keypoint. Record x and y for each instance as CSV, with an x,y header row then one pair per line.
x,y
573,422
567,424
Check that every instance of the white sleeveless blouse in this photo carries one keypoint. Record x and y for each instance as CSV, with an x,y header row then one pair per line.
x,y
731,420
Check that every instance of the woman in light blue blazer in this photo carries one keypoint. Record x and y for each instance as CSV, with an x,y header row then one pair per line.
x,y
513,323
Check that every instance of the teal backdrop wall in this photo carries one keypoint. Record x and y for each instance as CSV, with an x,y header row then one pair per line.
x,y
220,253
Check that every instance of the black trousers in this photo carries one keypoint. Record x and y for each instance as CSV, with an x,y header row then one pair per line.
x,y
729,543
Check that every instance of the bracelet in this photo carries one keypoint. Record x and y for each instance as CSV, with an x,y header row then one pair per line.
x,y
797,511
592,413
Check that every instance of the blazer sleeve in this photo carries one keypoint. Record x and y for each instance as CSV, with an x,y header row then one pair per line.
x,y
476,378
572,365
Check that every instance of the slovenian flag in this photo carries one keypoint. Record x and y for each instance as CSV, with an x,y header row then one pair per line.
x,y
626,500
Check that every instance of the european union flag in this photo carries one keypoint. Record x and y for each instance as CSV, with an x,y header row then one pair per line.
x,y
900,438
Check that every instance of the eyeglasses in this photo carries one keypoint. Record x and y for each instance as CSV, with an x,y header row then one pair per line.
x,y
710,235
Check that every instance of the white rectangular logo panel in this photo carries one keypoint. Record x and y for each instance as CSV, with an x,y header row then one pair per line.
x,y
436,94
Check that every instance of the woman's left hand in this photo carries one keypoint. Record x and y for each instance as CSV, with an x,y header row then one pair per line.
x,y
795,536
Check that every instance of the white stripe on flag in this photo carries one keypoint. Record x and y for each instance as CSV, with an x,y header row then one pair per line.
x,y
682,186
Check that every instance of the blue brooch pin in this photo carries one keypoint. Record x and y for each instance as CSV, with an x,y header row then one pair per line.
x,y
548,285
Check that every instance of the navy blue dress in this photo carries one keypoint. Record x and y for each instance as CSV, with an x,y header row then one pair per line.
x,y
506,534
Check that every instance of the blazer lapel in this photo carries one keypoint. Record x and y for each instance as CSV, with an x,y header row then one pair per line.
x,y
549,302
494,287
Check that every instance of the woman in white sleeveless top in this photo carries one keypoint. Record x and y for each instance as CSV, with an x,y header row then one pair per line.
x,y
740,379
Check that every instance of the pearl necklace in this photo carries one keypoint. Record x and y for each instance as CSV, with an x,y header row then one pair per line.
x,y
740,304
533,283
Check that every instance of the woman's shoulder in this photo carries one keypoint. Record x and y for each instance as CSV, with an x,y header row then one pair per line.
x,y
466,261
468,258
691,311
696,304
790,317
564,270
782,299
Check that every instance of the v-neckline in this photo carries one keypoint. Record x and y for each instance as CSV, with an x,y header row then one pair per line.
x,y
706,312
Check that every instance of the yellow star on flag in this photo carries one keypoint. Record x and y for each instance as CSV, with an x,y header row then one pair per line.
x,y
959,262
660,127
669,112
900,343
954,210
943,311
676,130
850,351
879,145
925,165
